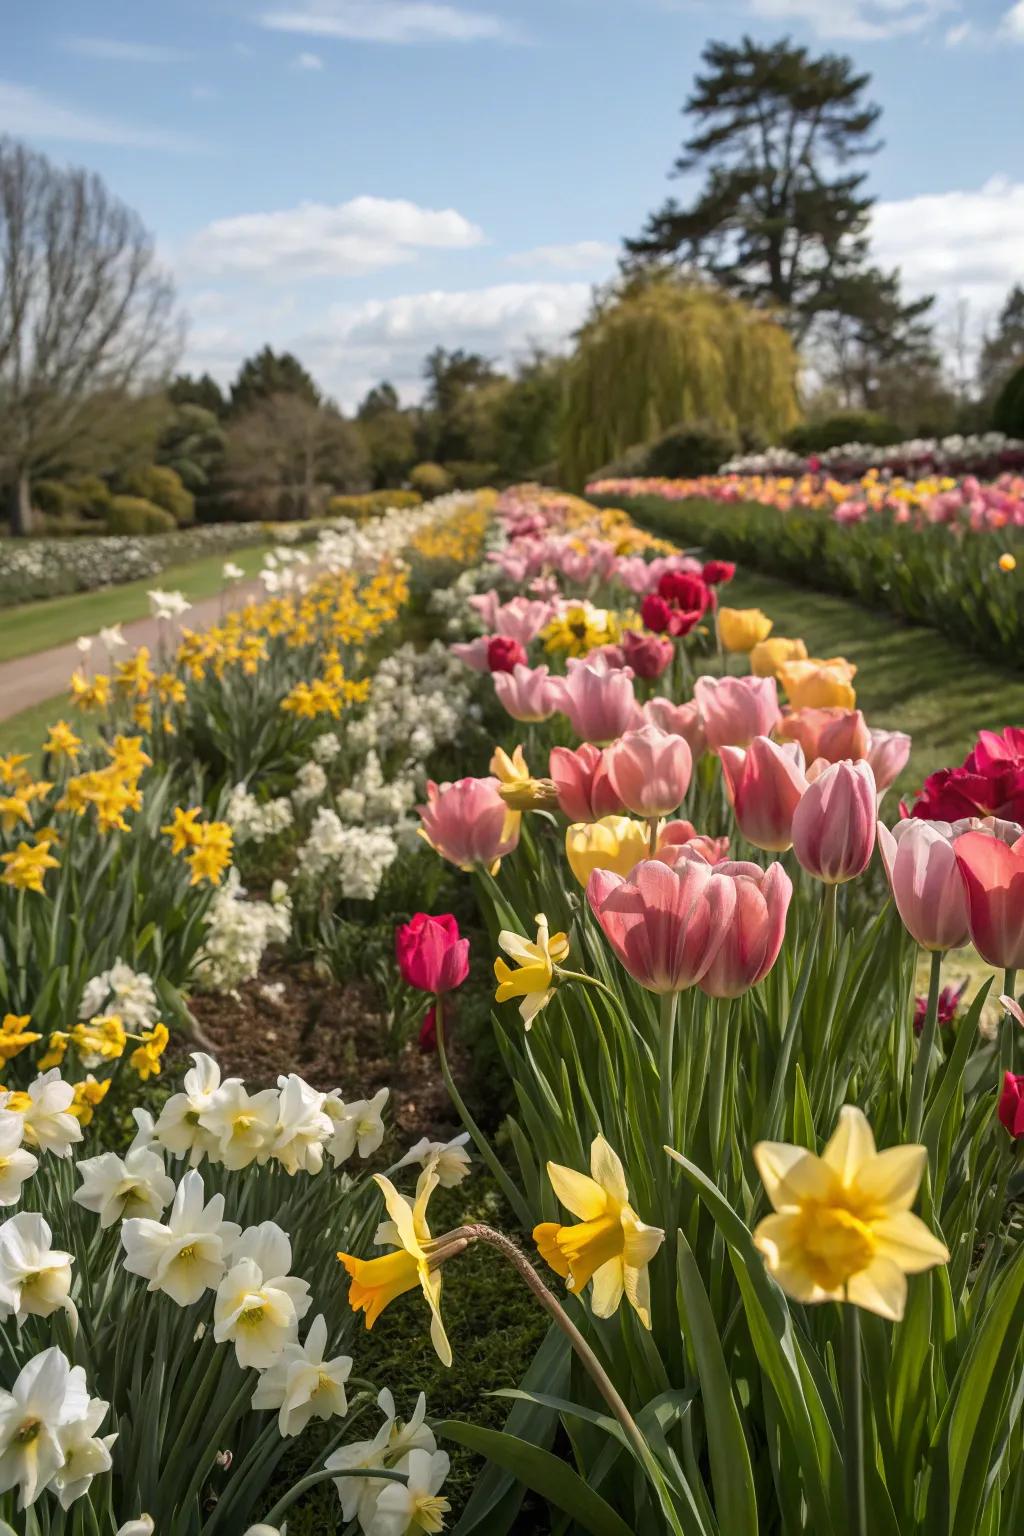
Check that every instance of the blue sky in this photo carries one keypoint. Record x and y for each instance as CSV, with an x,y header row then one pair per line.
x,y
362,179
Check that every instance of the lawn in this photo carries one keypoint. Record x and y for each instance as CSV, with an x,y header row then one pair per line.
x,y
35,627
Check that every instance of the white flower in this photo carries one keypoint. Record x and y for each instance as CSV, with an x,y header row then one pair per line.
x,y
238,933
35,1279
259,1305
115,1188
242,1125
145,1134
232,572
112,638
143,1526
83,644
302,1126
167,605
450,1158
311,781
415,1505
302,1384
326,747
16,1165
358,1124
48,1394
179,1127
130,994
188,1255
85,1455
47,1122
393,1440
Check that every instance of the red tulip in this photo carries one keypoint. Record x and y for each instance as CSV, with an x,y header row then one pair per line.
x,y
716,572
504,654
834,824
585,791
646,654
994,876
1011,1104
431,955
685,591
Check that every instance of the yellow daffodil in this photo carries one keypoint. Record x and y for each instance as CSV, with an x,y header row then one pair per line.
x,y
610,1244
26,867
519,790
12,771
101,1038
377,1282
56,1050
15,1036
182,829
533,978
127,756
89,1095
843,1229
740,629
615,842
816,684
62,742
13,810
210,853
90,693
768,656
146,1057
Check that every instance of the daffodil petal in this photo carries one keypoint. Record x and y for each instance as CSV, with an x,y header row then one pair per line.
x,y
791,1174
851,1144
608,1288
577,1193
891,1178
906,1240
607,1171
881,1288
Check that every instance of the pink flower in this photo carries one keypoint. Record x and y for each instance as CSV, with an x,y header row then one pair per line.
x,y
683,834
473,652
834,824
650,770
585,791
765,784
525,692
736,709
431,955
1011,1105
664,923
648,655
754,936
520,619
831,733
926,883
888,754
468,822
486,605
611,653
679,720
994,876
598,699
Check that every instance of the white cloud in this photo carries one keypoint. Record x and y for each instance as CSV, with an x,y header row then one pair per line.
x,y
387,21
577,255
1012,24
122,52
307,61
959,34
29,114
965,244
328,240
863,20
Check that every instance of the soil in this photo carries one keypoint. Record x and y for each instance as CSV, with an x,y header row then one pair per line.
x,y
335,1037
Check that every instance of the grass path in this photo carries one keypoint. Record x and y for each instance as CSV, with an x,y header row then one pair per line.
x,y
32,627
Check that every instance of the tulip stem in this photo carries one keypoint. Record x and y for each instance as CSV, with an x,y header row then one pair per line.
x,y
925,1047
666,1067
853,1420
652,831
1008,1034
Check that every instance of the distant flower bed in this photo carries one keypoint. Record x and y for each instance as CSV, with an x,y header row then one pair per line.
x,y
980,453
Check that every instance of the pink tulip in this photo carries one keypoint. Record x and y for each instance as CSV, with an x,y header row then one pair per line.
x,y
486,605
994,876
736,709
474,652
755,934
679,720
665,924
834,824
648,655
829,732
598,699
520,619
585,791
613,654
468,822
888,754
765,784
682,834
650,771
525,692
926,883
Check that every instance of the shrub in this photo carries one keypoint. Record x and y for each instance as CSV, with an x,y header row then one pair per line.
x,y
843,427
430,480
94,495
371,503
468,475
685,450
55,498
1008,412
163,487
134,514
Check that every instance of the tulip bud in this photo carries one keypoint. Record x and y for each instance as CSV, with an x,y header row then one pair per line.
x,y
615,842
754,936
994,877
431,955
1011,1104
736,709
834,824
926,883
765,784
650,770
740,629
585,791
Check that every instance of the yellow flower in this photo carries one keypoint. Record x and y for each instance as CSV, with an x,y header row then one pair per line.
x,y
55,1052
128,757
516,787
182,829
89,1094
27,866
533,978
610,1245
13,808
1007,562
11,770
90,693
377,1282
843,1228
101,1039
14,1036
62,741
816,684
580,629
768,656
135,675
740,629
615,842
146,1058
211,852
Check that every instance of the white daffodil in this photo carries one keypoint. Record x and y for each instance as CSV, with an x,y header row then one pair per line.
x,y
259,1305
415,1505
35,1279
143,1526
112,638
359,1124
187,1255
302,1126
86,1455
48,1394
167,605
44,1109
83,645
16,1165
393,1439
114,1188
179,1127
242,1124
302,1384
145,1133
449,1157
231,572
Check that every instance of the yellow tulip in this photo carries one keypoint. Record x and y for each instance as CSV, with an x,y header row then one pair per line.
x,y
740,629
615,842
817,684
768,656
843,1228
533,978
1007,562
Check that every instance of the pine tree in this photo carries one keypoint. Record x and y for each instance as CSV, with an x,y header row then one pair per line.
x,y
269,374
1003,350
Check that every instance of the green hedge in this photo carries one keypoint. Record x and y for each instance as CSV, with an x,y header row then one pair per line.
x,y
948,580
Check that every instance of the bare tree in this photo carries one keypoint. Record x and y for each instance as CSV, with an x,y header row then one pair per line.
x,y
87,321
285,456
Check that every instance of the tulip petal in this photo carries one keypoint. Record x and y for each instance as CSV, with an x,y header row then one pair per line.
x,y
577,1193
905,1240
881,1288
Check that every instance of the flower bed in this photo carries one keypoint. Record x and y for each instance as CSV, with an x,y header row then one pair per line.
x,y
981,453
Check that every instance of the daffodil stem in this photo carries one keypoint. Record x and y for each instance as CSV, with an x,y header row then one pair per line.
x,y
925,1047
384,1474
853,1418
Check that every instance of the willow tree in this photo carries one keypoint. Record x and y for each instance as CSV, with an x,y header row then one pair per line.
x,y
668,351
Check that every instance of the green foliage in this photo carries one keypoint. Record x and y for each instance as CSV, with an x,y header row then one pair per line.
x,y
192,445
528,416
843,427
1003,349
680,452
1008,412
430,480
267,374
55,498
666,352
202,391
93,495
371,503
134,514
390,438
161,486
467,475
